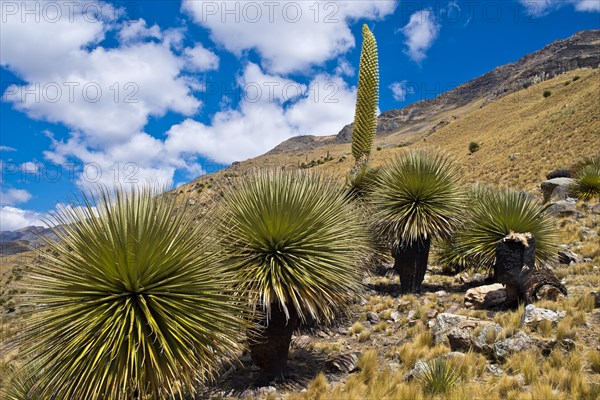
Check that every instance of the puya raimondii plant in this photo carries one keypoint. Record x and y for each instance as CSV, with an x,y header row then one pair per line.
x,y
367,97
295,244
132,301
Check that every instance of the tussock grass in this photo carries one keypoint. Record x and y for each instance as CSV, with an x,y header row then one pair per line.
x,y
525,363
594,361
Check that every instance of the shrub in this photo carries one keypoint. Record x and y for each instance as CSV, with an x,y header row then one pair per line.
x,y
473,147
547,93
132,301
576,78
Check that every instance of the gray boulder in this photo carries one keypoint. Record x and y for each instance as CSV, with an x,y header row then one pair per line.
x,y
596,295
463,333
344,363
567,257
564,208
486,296
417,371
556,189
533,316
518,342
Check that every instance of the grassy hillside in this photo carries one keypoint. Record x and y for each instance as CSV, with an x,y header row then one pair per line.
x,y
522,136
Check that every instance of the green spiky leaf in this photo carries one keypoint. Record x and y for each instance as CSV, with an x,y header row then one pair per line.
x,y
293,240
587,182
367,97
131,302
497,212
417,196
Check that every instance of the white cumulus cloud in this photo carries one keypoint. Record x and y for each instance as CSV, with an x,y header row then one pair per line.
x,y
201,59
13,218
290,36
258,125
543,7
14,196
421,32
400,90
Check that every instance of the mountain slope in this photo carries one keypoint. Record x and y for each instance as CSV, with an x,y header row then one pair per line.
x,y
581,50
522,136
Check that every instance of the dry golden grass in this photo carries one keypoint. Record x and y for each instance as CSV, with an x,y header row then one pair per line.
x,y
524,124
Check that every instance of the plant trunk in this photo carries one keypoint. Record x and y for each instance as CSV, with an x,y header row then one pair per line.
x,y
515,268
270,342
411,264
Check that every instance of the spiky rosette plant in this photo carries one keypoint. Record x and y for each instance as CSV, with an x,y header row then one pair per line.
x,y
498,212
417,197
587,182
18,383
295,244
130,302
367,97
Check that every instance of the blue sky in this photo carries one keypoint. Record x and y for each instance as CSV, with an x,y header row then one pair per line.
x,y
132,92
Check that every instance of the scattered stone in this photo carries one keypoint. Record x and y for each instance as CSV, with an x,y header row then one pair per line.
x,y
265,391
568,257
442,324
453,354
417,370
464,338
596,209
520,379
373,317
564,208
559,173
459,332
431,313
556,189
596,295
487,296
191,202
411,315
403,304
453,309
568,344
415,322
518,342
441,293
587,260
513,157
495,370
394,366
395,316
344,363
463,278
246,359
534,315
